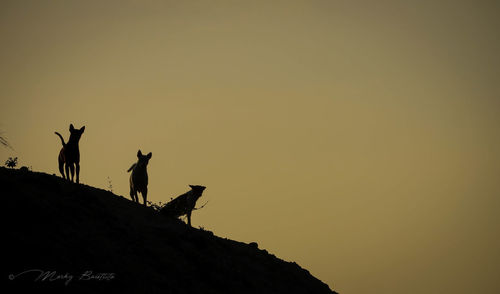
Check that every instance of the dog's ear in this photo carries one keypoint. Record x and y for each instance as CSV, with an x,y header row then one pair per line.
x,y
139,153
197,188
149,155
82,129
71,128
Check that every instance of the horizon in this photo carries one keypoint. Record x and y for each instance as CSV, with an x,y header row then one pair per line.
x,y
359,140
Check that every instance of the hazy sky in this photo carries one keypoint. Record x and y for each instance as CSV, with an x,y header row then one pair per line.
x,y
358,138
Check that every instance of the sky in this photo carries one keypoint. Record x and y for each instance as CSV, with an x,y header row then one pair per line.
x,y
359,139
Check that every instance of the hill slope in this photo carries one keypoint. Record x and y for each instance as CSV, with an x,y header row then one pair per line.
x,y
65,236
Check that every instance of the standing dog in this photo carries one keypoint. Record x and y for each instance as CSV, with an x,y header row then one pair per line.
x,y
139,177
183,204
70,153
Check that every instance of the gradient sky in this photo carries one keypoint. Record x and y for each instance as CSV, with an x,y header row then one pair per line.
x,y
358,138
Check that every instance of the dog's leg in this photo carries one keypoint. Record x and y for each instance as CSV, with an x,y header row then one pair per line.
x,y
189,217
72,169
133,194
61,167
77,172
144,195
66,167
61,160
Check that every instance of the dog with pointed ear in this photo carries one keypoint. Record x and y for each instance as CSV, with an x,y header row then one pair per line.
x,y
69,156
139,177
183,204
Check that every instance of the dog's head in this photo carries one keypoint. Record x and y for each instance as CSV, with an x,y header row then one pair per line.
x,y
75,134
143,159
197,190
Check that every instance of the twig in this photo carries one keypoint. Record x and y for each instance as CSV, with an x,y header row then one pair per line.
x,y
4,142
201,206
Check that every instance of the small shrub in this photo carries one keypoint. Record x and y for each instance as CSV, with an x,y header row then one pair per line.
x,y
156,206
110,185
11,162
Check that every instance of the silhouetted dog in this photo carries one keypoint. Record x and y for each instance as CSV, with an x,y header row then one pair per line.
x,y
139,177
70,153
183,204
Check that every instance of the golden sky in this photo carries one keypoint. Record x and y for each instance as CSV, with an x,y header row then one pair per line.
x,y
358,138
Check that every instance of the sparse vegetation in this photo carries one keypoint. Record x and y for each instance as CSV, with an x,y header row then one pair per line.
x,y
11,162
156,206
110,184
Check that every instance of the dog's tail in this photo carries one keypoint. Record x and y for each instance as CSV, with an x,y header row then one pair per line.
x,y
62,140
132,167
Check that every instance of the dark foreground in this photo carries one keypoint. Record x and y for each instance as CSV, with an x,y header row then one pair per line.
x,y
74,238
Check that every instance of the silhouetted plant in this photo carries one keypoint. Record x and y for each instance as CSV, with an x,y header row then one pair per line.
x,y
156,206
11,162
110,185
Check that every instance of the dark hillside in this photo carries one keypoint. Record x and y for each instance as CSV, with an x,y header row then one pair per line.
x,y
57,232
